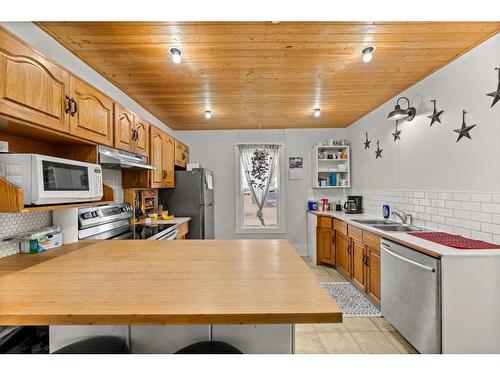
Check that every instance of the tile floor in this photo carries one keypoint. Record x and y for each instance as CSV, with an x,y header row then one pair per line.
x,y
353,336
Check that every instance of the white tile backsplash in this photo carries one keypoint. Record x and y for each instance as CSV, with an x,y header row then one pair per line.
x,y
11,224
113,178
471,214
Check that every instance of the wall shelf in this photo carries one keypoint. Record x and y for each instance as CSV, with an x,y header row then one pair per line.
x,y
323,167
12,200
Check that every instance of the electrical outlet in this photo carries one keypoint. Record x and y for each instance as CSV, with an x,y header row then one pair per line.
x,y
4,146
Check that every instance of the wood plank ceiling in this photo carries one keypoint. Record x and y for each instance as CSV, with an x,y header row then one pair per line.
x,y
265,73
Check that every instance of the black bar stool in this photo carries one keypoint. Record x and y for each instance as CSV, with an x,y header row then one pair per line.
x,y
96,345
209,347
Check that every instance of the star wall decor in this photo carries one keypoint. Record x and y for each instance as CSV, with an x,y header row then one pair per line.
x,y
435,114
378,151
464,130
397,133
496,94
367,142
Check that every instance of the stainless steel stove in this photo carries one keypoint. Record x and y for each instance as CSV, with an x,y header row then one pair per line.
x,y
113,222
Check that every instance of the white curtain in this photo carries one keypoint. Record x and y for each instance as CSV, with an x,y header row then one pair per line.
x,y
259,186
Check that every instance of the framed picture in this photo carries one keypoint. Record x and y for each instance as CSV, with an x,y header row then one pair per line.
x,y
295,162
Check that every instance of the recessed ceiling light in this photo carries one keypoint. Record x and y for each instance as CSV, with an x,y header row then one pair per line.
x,y
367,53
317,112
176,54
208,113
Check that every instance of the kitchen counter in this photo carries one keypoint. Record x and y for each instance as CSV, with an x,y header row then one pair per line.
x,y
424,246
175,220
172,282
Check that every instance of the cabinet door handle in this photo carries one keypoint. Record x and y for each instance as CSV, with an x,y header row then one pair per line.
x,y
333,240
135,135
349,249
75,107
164,174
68,108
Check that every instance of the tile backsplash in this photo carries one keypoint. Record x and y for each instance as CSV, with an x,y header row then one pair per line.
x,y
11,224
113,178
471,214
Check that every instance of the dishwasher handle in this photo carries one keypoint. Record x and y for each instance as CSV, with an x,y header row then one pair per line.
x,y
416,264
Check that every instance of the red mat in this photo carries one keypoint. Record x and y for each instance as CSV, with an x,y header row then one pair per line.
x,y
454,240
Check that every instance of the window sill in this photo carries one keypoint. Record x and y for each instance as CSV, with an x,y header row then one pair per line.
x,y
270,230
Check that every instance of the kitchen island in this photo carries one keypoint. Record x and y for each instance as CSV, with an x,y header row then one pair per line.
x,y
202,285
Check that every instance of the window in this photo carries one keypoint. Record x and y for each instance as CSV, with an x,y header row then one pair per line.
x,y
259,187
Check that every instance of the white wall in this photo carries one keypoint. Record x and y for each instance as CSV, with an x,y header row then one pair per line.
x,y
51,49
429,158
215,150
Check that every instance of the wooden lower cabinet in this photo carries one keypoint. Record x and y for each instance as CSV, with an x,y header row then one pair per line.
x,y
357,261
372,273
183,231
353,251
342,253
325,245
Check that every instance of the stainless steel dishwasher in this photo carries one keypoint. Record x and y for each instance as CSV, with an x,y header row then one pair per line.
x,y
411,295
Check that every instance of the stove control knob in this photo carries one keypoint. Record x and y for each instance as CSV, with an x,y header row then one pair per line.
x,y
87,215
94,214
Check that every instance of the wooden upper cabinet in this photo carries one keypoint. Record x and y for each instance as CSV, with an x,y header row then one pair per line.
x,y
181,154
91,115
32,88
141,136
124,122
156,159
168,160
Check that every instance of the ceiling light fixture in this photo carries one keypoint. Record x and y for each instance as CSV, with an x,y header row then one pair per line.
x,y
317,112
402,114
367,53
208,114
176,54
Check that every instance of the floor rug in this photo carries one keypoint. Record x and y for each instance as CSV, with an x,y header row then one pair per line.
x,y
350,300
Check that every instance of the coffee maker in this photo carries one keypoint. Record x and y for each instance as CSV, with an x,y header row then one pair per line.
x,y
354,204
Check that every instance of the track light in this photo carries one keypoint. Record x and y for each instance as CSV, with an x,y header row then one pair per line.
x,y
317,112
176,54
367,53
208,114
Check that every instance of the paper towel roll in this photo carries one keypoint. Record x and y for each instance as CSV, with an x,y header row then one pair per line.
x,y
67,220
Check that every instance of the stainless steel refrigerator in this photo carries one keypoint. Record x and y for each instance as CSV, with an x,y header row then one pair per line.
x,y
193,196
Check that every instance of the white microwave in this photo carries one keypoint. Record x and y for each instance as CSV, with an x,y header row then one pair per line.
x,y
50,180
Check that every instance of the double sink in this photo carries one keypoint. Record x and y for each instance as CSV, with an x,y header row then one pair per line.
x,y
389,226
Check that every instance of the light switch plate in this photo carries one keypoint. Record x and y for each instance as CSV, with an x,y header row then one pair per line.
x,y
4,146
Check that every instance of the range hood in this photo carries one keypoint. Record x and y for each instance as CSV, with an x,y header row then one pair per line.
x,y
117,159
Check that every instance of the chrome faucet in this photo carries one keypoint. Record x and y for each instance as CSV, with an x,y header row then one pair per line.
x,y
406,217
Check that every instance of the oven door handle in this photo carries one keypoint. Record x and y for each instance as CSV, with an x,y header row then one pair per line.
x,y
170,236
421,266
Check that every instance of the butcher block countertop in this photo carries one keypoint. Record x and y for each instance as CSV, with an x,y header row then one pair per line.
x,y
163,282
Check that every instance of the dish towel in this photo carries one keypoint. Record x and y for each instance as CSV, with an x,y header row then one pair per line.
x,y
454,240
